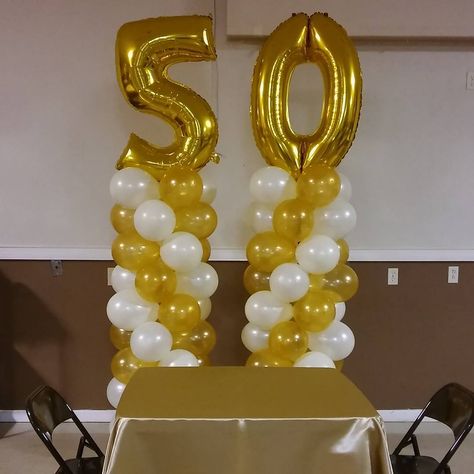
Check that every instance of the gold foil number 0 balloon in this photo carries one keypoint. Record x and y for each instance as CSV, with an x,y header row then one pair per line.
x,y
320,40
145,50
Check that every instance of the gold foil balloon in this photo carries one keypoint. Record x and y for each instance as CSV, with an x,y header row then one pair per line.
x,y
131,251
342,281
266,358
155,281
288,341
255,280
145,50
200,340
267,250
319,185
199,219
122,219
124,364
293,219
320,40
180,187
343,250
315,311
179,312
119,337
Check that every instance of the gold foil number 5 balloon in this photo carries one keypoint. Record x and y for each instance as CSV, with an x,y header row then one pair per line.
x,y
145,50
320,40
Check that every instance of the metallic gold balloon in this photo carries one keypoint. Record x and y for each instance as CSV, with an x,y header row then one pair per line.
x,y
181,187
267,250
255,280
132,252
122,219
199,219
342,281
124,364
155,281
203,360
320,40
339,364
200,340
206,250
179,313
319,185
343,250
265,358
315,311
316,282
145,50
293,219
119,337
288,340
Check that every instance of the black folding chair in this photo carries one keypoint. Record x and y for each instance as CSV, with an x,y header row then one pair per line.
x,y
452,405
46,409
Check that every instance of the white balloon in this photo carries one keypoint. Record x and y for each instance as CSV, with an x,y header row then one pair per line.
x,y
179,358
260,217
337,341
254,337
317,254
154,220
345,191
127,310
335,220
289,282
122,279
115,389
265,310
151,341
271,185
181,251
315,359
200,282
209,190
340,310
206,306
131,186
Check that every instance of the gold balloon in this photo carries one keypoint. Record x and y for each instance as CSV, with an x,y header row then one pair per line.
x,y
206,250
122,219
255,280
203,360
124,364
181,187
293,219
131,251
339,365
342,281
145,50
267,250
200,340
315,311
319,185
119,337
265,358
343,250
155,281
320,40
316,282
288,341
199,219
179,312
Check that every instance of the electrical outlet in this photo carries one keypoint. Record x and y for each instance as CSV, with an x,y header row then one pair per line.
x,y
392,276
56,267
470,80
453,274
109,276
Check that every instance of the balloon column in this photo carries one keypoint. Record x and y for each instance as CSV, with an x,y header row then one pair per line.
x,y
298,278
162,212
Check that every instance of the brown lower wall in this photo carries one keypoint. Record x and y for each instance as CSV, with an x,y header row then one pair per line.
x,y
410,338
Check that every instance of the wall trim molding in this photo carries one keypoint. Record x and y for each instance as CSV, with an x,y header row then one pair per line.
x,y
238,255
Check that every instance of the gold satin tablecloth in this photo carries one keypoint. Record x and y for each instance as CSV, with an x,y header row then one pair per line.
x,y
242,420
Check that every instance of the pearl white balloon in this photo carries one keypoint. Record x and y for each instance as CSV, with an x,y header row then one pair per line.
x,y
209,190
271,185
122,279
154,220
289,282
340,310
315,359
317,254
151,341
115,389
127,310
132,186
179,358
254,337
260,217
335,220
200,282
206,306
345,191
181,251
265,310
337,341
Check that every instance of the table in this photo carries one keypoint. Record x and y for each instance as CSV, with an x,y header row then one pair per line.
x,y
242,420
